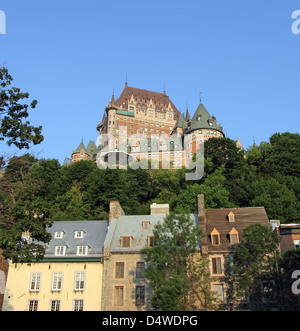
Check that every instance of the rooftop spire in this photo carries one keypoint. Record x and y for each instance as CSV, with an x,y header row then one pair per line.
x,y
187,116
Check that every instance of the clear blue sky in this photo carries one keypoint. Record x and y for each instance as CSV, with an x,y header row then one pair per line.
x,y
71,54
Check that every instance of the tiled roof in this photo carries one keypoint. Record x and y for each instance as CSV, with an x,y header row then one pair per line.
x,y
145,96
94,237
132,226
218,219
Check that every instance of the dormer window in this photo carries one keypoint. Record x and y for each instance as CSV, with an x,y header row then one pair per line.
x,y
215,237
231,217
79,234
58,235
126,241
146,225
234,236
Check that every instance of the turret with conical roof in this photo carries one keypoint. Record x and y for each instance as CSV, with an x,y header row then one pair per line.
x,y
202,123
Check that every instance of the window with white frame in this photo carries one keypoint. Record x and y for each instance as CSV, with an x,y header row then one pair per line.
x,y
58,235
60,250
54,305
78,305
78,234
82,250
57,281
79,281
32,305
35,282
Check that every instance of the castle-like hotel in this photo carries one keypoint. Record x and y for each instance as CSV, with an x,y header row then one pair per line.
x,y
157,126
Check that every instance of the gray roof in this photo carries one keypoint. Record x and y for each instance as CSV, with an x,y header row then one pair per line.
x,y
94,237
132,226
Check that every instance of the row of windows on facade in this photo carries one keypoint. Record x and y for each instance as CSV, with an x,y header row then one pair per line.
x,y
132,121
54,305
57,281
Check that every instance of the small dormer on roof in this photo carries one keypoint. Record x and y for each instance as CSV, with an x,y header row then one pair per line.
x,y
231,217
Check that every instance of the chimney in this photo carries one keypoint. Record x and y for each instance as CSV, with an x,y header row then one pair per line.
x,y
115,210
156,209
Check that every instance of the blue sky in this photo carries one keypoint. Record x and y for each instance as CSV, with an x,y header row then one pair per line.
x,y
71,54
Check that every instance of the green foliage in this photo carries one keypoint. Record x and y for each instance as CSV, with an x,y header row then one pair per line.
x,y
13,113
256,260
175,269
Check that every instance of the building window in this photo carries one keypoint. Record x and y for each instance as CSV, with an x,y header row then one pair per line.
x,y
60,250
215,237
119,272
234,236
78,234
146,225
119,296
219,292
140,295
140,267
297,244
78,305
79,281
55,305
58,235
216,266
57,281
231,217
151,241
82,250
126,241
33,305
35,282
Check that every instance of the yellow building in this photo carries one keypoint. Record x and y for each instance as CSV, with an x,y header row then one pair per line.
x,y
70,276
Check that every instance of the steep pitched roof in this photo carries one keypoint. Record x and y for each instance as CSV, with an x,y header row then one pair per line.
x,y
91,148
181,122
218,219
144,95
132,226
94,237
203,120
80,147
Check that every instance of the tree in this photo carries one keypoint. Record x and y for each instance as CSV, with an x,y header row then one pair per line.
x,y
20,214
289,264
255,264
217,196
178,274
12,114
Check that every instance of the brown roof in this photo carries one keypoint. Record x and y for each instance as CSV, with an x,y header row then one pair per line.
x,y
218,219
144,96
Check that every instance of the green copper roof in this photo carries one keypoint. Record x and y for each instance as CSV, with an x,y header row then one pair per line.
x,y
80,147
181,122
91,148
203,120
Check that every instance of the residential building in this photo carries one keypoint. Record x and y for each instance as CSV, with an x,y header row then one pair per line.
x,y
68,278
124,285
290,236
223,228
